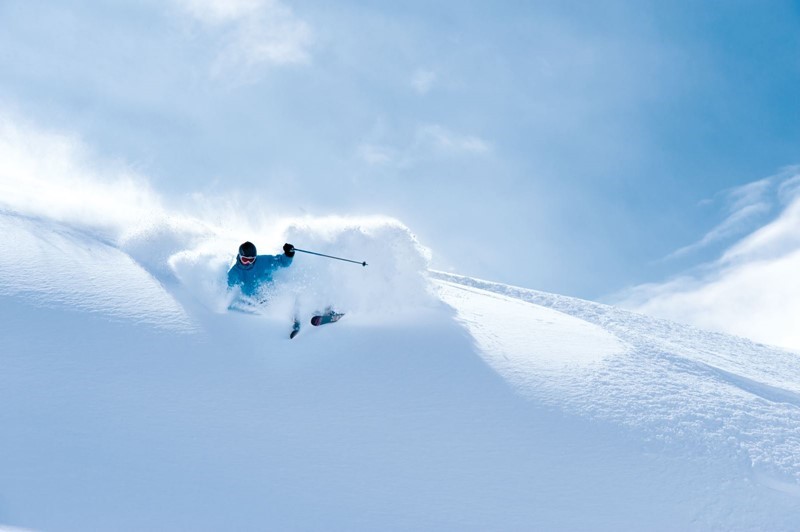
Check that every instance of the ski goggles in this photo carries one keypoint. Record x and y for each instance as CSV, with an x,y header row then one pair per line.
x,y
247,260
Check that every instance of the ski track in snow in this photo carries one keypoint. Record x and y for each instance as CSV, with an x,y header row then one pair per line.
x,y
680,385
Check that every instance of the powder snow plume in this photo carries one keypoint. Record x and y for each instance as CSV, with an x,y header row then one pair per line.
x,y
188,248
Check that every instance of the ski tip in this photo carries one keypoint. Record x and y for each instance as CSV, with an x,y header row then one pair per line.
x,y
293,334
330,317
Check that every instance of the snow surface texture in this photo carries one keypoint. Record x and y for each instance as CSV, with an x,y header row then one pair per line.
x,y
131,399
677,384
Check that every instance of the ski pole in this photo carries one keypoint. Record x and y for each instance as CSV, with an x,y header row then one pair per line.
x,y
330,256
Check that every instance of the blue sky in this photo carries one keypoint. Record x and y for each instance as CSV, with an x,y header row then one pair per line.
x,y
572,147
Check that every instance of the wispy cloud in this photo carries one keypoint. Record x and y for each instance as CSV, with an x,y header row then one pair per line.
x,y
375,155
444,140
423,80
216,11
744,205
255,32
429,141
753,289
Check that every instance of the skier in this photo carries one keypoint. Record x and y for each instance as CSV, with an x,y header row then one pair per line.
x,y
252,271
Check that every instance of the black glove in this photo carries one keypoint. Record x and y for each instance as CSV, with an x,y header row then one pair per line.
x,y
288,250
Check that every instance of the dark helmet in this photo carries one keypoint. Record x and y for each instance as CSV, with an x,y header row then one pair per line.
x,y
248,249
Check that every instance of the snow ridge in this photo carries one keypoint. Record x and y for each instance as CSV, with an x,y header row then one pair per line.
x,y
681,386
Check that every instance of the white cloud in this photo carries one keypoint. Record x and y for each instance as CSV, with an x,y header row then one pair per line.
x,y
255,31
753,290
734,224
744,205
774,239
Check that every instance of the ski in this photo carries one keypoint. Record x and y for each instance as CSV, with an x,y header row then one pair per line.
x,y
328,317
295,329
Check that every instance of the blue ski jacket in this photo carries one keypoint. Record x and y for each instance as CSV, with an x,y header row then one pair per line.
x,y
251,277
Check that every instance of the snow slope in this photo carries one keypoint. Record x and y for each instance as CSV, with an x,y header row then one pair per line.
x,y
130,399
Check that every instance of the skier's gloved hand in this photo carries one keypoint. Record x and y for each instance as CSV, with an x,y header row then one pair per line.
x,y
288,250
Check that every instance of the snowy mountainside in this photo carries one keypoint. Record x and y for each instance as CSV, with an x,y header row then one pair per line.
x,y
677,384
131,399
